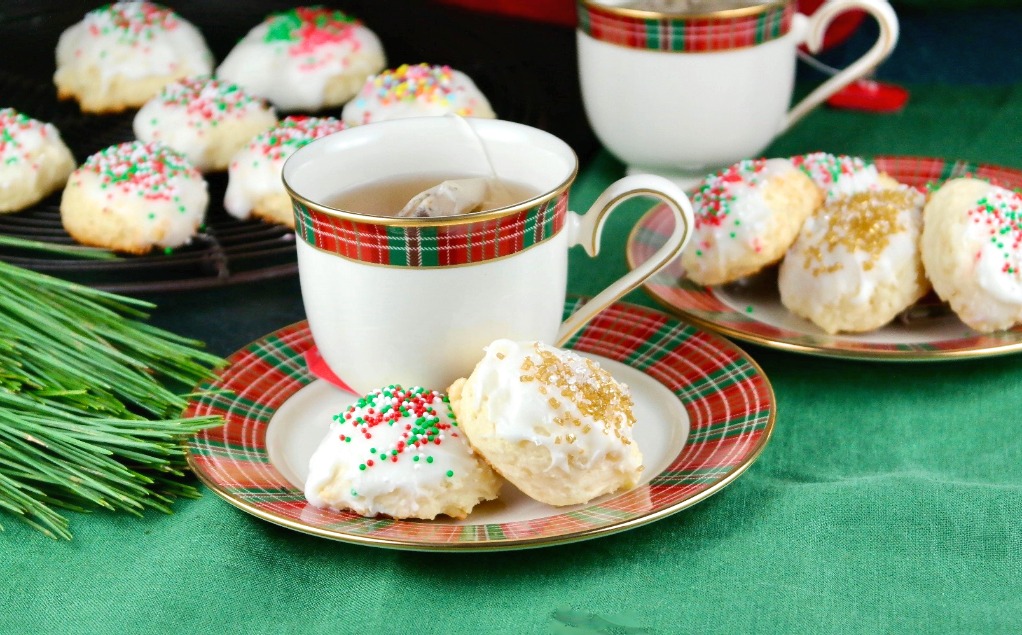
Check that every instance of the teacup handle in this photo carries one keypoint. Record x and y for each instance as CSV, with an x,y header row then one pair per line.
x,y
586,229
814,29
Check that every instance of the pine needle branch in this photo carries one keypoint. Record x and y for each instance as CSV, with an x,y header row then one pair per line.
x,y
86,418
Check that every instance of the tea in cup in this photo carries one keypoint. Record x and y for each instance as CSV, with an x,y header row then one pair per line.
x,y
415,299
685,87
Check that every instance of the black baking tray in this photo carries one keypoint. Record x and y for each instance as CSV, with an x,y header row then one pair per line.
x,y
527,70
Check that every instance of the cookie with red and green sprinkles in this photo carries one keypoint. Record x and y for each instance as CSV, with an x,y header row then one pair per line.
x,y
419,90
306,58
254,185
122,54
134,197
746,217
972,251
842,175
34,161
399,452
208,120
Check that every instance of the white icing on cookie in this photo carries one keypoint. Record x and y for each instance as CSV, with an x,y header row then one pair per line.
x,y
399,453
556,399
205,119
145,193
994,234
34,160
299,59
416,91
839,175
133,40
255,171
856,262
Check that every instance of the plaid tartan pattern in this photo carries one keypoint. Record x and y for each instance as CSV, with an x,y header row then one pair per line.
x,y
685,34
431,246
729,403
703,306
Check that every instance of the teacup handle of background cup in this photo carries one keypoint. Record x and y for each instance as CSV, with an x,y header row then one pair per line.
x,y
587,228
814,29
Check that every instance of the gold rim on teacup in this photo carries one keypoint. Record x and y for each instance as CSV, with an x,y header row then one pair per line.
x,y
753,8
700,32
437,221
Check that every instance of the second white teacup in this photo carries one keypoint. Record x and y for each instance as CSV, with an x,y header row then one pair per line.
x,y
683,94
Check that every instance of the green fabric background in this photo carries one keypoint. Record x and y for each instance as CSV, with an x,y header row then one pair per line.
x,y
888,500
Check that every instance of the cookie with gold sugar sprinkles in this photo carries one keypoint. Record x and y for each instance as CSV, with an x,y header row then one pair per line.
x,y
856,264
552,422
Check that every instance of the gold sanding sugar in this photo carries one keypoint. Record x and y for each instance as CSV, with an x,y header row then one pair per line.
x,y
862,222
583,383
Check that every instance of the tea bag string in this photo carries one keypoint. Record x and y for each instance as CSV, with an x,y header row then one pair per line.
x,y
496,184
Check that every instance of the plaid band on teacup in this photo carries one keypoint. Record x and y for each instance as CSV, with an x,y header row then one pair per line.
x,y
685,34
431,246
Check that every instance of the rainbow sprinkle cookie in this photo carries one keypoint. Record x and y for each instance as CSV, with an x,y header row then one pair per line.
x,y
122,54
841,175
254,185
746,217
207,120
34,161
972,251
399,452
308,58
855,264
416,91
134,197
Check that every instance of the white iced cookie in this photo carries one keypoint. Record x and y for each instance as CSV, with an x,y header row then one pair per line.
x,y
972,252
855,265
420,90
254,186
205,119
307,58
122,54
134,197
552,422
34,162
746,217
399,452
841,175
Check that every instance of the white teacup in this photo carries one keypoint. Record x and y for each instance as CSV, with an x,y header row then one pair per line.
x,y
415,300
682,94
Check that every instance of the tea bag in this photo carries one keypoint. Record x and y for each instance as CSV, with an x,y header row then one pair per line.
x,y
459,196
450,198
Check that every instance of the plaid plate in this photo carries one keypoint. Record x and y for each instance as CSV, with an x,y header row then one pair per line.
x,y
703,306
685,34
728,400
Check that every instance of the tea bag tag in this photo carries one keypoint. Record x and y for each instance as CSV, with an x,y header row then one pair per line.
x,y
449,198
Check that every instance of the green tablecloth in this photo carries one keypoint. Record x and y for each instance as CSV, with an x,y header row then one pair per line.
x,y
888,500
